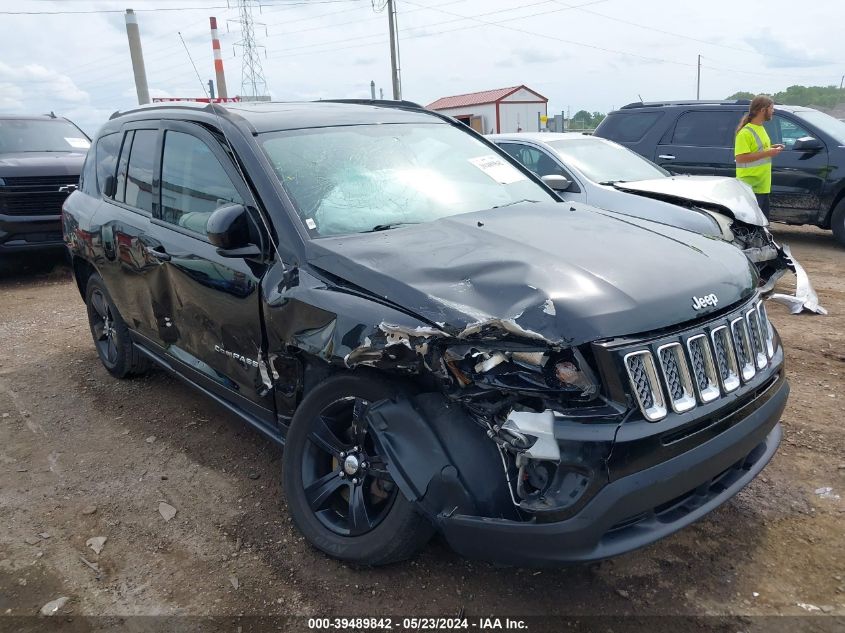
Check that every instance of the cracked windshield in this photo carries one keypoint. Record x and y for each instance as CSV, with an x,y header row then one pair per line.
x,y
362,178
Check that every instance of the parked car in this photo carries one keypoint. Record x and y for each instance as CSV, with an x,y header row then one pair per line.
x,y
40,163
604,174
697,137
437,346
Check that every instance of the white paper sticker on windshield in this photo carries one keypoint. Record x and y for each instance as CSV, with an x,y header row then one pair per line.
x,y
497,169
78,143
311,224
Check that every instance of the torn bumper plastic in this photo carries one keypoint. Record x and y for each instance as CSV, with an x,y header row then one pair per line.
x,y
638,508
805,297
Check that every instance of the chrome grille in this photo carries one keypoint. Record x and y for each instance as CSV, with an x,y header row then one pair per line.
x,y
677,377
739,329
752,319
643,375
698,368
768,332
703,368
725,358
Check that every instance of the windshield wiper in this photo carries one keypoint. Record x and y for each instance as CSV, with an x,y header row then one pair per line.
x,y
387,227
508,204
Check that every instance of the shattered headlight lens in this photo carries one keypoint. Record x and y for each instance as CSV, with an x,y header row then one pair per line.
x,y
521,369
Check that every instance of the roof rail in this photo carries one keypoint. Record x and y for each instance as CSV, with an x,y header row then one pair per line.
x,y
389,103
188,105
651,104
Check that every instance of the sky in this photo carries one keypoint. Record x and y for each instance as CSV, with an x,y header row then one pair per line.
x,y
72,56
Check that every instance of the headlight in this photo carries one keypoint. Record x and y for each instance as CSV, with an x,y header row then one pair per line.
x,y
519,369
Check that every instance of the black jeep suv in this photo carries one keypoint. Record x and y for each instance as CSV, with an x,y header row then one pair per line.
x,y
40,161
697,137
437,340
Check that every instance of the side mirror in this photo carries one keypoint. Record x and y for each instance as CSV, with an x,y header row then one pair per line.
x,y
807,144
557,183
228,230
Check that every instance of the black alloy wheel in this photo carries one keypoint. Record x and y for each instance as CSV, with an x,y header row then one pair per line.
x,y
338,482
344,473
102,327
110,332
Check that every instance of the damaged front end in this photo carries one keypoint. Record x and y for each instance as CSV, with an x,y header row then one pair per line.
x,y
733,206
517,431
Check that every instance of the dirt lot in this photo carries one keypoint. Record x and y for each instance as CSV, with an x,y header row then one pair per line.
x,y
84,455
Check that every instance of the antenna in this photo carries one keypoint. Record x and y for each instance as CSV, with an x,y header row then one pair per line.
x,y
241,173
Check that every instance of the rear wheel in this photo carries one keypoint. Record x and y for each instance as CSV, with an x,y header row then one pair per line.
x,y
110,333
339,490
837,222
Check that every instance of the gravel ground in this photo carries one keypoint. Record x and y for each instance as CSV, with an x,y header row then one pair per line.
x,y
84,455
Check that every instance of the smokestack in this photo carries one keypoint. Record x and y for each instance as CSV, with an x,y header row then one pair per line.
x,y
218,61
137,56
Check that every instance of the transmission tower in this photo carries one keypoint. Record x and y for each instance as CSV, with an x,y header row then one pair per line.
x,y
253,83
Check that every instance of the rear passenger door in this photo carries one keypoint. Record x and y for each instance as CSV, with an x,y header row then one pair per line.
x,y
700,143
211,304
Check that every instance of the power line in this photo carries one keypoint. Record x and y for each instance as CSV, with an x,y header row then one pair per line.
x,y
680,35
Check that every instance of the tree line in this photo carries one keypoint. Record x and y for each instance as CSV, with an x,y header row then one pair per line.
x,y
818,96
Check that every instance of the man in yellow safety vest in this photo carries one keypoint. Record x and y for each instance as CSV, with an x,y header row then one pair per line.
x,y
753,150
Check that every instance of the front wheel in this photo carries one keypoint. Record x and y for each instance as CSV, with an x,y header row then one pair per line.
x,y
339,489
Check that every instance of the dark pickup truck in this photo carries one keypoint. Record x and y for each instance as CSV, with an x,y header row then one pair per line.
x,y
41,159
438,341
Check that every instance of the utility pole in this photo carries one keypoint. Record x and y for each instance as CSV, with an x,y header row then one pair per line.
x,y
394,51
698,81
211,88
137,55
840,82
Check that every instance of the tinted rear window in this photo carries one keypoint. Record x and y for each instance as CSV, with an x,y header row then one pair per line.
x,y
706,128
108,147
139,177
627,128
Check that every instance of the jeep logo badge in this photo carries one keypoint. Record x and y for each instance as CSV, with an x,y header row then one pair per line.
x,y
703,302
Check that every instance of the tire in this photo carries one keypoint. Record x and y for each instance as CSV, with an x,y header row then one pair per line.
x,y
837,222
111,335
361,516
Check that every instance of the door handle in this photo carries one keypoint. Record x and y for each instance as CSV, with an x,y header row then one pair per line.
x,y
666,156
158,253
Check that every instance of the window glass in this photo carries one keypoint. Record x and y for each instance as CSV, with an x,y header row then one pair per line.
x,y
108,147
537,161
606,162
139,176
193,182
707,128
88,177
825,123
359,178
41,135
627,128
784,131
120,187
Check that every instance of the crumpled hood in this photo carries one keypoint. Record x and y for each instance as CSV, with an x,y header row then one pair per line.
x,y
33,164
541,271
731,195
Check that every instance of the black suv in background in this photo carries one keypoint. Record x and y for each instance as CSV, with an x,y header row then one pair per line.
x,y
440,343
40,162
697,137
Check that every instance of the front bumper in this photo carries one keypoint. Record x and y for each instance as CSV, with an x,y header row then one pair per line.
x,y
641,507
30,232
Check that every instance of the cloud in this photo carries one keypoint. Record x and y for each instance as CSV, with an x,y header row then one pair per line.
x,y
37,80
780,54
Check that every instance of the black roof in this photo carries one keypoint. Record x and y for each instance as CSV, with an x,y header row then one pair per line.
x,y
709,104
266,116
